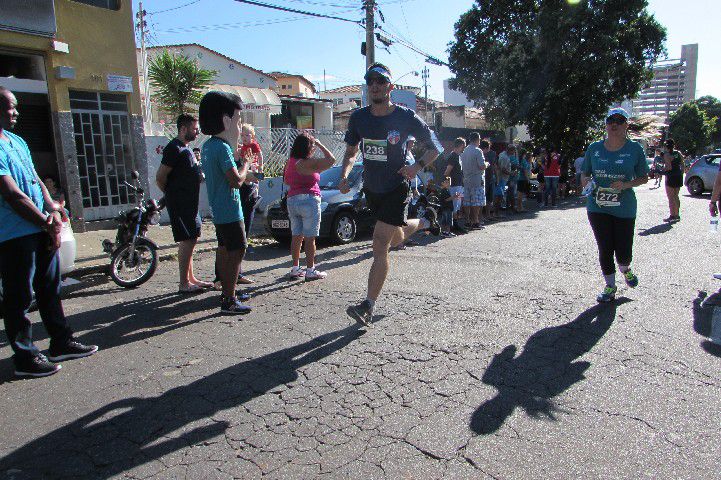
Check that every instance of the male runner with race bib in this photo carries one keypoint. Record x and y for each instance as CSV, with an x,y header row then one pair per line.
x,y
380,131
616,165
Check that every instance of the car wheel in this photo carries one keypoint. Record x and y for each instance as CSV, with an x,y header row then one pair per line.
x,y
695,186
344,228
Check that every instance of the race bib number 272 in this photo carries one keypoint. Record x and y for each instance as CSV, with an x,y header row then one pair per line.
x,y
608,197
375,150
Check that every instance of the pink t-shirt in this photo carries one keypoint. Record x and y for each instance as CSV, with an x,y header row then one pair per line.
x,y
300,184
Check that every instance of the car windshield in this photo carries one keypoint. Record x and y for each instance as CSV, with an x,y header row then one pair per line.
x,y
330,178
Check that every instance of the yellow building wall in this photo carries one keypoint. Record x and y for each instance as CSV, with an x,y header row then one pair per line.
x,y
101,42
296,87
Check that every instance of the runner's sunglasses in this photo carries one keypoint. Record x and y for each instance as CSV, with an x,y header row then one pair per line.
x,y
617,119
377,80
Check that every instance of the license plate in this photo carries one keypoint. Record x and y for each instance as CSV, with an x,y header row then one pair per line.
x,y
280,223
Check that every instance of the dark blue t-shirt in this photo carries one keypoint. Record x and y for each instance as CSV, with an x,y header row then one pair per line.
x,y
183,185
383,144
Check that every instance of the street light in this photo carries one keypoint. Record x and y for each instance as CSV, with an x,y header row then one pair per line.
x,y
413,72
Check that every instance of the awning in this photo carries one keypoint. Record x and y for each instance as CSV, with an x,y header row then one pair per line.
x,y
261,99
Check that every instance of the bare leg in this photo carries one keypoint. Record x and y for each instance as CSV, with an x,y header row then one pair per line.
x,y
229,267
403,233
669,195
309,252
185,261
383,234
295,243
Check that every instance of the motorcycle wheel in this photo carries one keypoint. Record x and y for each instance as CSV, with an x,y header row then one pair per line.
x,y
130,271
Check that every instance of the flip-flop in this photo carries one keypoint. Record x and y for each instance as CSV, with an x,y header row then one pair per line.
x,y
191,289
244,280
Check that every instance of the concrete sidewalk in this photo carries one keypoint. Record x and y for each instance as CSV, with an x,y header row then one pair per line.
x,y
91,258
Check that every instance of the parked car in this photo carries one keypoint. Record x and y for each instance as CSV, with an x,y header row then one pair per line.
x,y
702,174
67,253
343,215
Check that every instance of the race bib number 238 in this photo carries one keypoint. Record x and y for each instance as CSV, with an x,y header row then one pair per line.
x,y
375,150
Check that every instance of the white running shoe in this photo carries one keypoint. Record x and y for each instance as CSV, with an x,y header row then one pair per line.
x,y
296,272
315,274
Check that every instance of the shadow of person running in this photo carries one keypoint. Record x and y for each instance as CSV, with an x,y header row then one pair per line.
x,y
703,310
545,368
135,431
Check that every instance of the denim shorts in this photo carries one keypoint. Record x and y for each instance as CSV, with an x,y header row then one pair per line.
x,y
304,214
501,188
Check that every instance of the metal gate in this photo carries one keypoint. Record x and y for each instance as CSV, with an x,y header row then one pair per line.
x,y
104,150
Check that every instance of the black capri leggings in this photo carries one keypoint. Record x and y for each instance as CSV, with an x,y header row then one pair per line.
x,y
614,235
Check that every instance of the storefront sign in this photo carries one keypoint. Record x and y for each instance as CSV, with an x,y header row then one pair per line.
x,y
120,83
252,106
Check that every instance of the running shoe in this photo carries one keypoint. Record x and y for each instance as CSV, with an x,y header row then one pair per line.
x,y
630,278
432,217
35,366
361,313
233,305
296,272
717,276
448,234
675,218
608,295
315,274
69,349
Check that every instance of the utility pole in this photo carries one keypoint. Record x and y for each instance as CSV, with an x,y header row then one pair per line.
x,y
325,85
141,25
424,76
370,6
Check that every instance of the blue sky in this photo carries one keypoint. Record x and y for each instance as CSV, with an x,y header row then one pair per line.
x,y
273,40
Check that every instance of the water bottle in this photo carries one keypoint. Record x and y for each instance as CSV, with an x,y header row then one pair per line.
x,y
713,225
589,188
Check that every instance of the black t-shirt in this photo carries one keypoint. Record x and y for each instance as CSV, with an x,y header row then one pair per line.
x,y
382,144
456,173
183,185
443,198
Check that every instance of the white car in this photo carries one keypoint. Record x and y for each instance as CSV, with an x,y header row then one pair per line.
x,y
66,252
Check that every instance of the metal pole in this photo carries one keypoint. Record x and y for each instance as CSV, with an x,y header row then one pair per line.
x,y
425,86
147,114
370,37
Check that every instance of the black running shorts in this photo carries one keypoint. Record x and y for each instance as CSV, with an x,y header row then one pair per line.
x,y
231,235
390,207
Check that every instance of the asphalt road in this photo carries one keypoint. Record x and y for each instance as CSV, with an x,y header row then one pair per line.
x,y
489,358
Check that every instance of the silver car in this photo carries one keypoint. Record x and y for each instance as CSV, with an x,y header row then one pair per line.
x,y
702,174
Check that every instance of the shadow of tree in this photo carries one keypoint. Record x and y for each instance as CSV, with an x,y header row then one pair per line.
x,y
545,368
135,431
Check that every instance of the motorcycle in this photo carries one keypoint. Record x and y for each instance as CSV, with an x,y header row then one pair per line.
x,y
133,256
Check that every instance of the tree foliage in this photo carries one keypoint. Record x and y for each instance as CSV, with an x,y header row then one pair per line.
x,y
711,106
178,82
690,128
553,65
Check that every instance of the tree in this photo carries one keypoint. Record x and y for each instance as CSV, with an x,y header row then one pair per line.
x,y
553,65
690,128
711,106
178,82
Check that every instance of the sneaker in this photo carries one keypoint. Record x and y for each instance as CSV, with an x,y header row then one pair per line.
x,y
296,272
630,278
36,366
675,218
669,219
361,313
69,350
432,217
233,305
243,297
448,234
315,274
717,276
608,295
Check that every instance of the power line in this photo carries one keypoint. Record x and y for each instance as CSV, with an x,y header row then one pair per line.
x,y
174,8
301,12
229,26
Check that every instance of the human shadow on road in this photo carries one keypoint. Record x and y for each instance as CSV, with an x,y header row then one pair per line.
x,y
545,368
135,431
703,307
655,230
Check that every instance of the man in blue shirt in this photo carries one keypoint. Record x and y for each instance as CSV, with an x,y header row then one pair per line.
x,y
381,131
219,116
30,225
